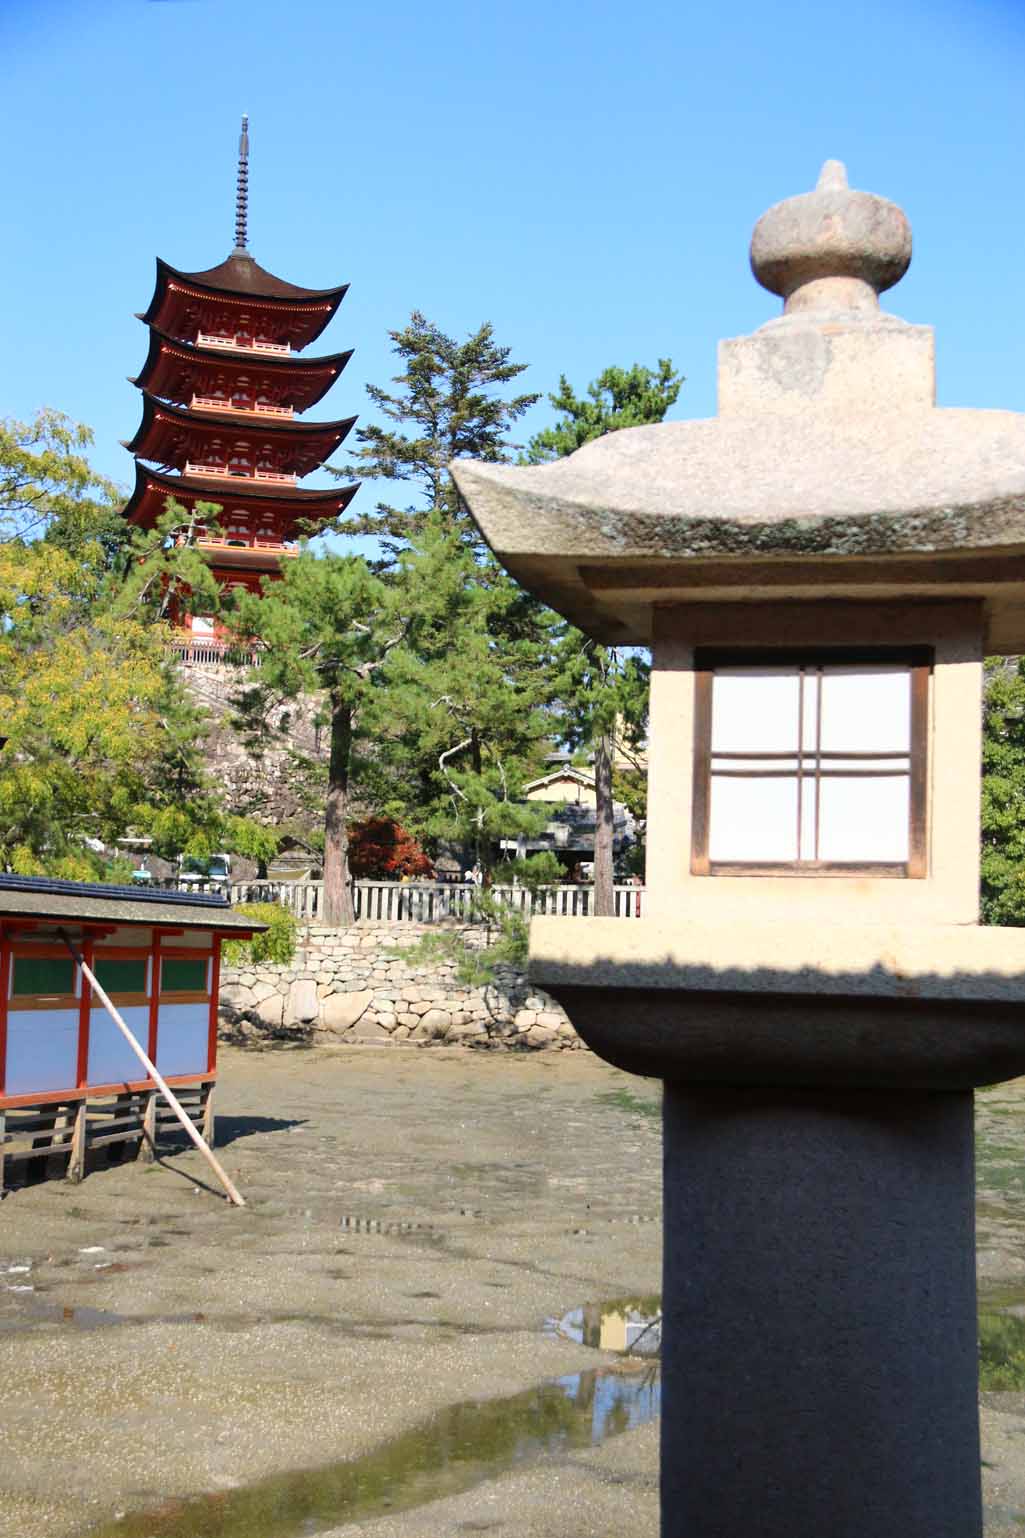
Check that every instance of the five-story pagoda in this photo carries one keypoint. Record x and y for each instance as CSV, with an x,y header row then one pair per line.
x,y
224,388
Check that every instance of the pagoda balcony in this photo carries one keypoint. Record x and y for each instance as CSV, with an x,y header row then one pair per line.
x,y
219,542
261,409
237,344
280,477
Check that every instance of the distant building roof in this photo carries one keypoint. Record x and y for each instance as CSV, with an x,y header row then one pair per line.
x,y
564,772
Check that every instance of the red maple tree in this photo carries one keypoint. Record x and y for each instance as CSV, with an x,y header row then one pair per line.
x,y
379,846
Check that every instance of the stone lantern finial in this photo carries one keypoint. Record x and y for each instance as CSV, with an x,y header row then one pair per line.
x,y
832,249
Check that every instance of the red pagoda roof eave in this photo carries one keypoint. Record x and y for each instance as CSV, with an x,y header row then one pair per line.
x,y
295,365
297,427
302,501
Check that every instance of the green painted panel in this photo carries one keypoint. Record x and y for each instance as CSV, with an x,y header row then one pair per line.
x,y
183,974
42,975
121,976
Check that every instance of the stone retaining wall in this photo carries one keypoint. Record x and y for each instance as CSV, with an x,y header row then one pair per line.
x,y
346,986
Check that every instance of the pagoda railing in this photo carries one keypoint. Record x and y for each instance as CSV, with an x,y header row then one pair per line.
x,y
207,339
203,541
218,403
282,477
194,469
289,477
212,652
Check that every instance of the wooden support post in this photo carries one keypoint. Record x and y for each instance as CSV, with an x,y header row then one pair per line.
x,y
3,1149
76,1163
61,1126
209,1119
148,1147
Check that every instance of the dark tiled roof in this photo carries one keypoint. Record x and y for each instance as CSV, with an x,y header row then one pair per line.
x,y
40,897
240,274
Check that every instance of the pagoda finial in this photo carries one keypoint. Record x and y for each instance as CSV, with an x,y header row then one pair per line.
x,y
242,188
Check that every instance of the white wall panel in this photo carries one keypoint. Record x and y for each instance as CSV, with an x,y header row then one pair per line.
x,y
42,1050
111,1059
183,1035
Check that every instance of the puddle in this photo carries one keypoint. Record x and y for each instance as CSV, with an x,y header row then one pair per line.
x,y
83,1318
453,1451
629,1325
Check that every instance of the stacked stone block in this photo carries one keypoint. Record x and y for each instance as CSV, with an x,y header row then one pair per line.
x,y
347,986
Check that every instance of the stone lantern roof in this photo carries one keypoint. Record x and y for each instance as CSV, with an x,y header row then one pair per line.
x,y
829,471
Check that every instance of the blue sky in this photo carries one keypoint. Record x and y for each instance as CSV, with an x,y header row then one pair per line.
x,y
584,175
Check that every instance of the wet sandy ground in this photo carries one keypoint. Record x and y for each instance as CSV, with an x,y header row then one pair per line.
x,y
287,1335
413,1219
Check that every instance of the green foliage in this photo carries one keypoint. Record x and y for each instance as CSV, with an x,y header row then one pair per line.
x,y
603,692
275,944
463,711
1001,1352
103,739
447,407
167,575
632,790
637,1105
46,479
326,629
1003,793
618,398
506,932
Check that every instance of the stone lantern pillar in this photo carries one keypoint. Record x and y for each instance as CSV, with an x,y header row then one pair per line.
x,y
819,571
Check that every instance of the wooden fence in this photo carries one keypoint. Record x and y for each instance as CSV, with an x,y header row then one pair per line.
x,y
422,902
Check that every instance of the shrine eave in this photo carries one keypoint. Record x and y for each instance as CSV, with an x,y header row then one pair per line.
x,y
242,277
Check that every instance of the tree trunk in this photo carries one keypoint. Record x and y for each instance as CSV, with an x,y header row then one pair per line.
x,y
338,909
604,895
481,847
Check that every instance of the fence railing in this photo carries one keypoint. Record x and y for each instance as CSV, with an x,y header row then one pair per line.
x,y
420,902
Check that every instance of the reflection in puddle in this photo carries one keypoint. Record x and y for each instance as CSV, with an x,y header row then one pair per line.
x,y
454,1450
82,1318
628,1325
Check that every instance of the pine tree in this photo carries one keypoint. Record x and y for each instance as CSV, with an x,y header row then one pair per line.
x,y
603,691
325,630
463,714
448,405
618,398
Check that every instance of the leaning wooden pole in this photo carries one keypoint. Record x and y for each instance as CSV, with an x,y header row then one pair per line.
x,y
151,1069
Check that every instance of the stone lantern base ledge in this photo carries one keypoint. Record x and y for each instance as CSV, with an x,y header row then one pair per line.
x,y
854,1006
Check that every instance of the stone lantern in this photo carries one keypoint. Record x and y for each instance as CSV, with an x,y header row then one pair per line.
x,y
819,571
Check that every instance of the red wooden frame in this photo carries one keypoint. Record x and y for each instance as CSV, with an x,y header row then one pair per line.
x,y
15,938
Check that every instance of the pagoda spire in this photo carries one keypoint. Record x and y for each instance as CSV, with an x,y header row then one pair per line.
x,y
242,188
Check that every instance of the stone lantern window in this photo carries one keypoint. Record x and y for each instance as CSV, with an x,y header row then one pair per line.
x,y
810,764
